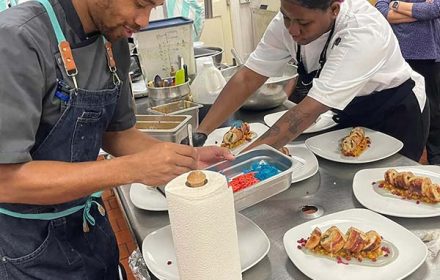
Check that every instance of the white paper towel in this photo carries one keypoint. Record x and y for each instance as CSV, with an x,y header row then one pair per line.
x,y
204,229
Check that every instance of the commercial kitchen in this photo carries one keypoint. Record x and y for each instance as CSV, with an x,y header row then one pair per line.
x,y
243,139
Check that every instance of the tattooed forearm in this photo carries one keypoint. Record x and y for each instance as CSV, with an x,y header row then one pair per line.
x,y
295,119
287,128
291,124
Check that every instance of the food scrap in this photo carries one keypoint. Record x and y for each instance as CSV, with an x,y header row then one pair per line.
x,y
243,181
257,172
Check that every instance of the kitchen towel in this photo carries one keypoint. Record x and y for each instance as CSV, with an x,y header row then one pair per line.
x,y
204,228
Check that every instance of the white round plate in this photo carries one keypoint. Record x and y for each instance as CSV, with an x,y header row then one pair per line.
x,y
327,146
308,162
160,257
216,137
147,198
324,121
412,251
394,205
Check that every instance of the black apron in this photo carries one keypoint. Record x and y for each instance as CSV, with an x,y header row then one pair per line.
x,y
393,111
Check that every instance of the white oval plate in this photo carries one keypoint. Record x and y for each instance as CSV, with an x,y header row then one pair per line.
x,y
308,161
147,198
412,251
327,146
158,248
394,205
216,137
324,121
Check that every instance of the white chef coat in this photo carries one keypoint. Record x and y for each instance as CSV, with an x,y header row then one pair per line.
x,y
367,58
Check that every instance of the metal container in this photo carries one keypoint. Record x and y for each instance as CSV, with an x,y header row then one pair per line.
x,y
182,107
270,95
263,189
165,128
164,95
214,52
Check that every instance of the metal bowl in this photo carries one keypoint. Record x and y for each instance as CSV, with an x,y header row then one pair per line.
x,y
165,95
214,52
270,95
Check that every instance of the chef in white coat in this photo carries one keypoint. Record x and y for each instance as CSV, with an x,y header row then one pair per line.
x,y
348,60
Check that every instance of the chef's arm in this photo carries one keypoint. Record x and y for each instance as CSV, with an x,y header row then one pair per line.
x,y
292,123
127,142
53,182
234,94
146,160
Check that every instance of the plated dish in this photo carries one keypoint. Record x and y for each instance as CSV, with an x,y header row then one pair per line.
x,y
160,257
328,146
323,122
406,191
353,247
238,134
355,143
236,137
411,251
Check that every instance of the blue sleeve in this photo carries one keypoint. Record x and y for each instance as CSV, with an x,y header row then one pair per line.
x,y
426,10
383,6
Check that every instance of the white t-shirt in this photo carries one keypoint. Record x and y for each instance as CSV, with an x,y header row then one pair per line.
x,y
367,58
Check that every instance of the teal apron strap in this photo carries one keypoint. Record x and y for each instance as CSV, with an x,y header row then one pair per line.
x,y
3,5
87,217
63,44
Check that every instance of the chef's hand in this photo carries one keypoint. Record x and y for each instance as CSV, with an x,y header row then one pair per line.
x,y
199,139
162,162
210,155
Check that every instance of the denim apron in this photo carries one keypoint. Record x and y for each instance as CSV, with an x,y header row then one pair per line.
x,y
72,240
394,111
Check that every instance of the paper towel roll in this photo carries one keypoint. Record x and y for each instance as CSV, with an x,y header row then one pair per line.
x,y
204,228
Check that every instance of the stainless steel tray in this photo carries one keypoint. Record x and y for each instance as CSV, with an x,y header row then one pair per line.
x,y
182,107
165,128
263,189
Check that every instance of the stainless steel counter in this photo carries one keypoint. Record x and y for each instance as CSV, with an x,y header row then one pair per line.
x,y
330,188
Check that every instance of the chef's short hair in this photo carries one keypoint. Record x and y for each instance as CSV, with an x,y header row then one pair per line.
x,y
315,4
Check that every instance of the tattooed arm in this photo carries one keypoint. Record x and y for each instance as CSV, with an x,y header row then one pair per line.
x,y
291,124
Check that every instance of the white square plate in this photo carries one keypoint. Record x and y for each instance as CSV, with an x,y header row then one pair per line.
x,y
160,257
327,146
308,162
216,137
324,121
394,205
412,251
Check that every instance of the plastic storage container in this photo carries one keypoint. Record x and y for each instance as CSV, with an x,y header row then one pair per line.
x,y
208,84
161,45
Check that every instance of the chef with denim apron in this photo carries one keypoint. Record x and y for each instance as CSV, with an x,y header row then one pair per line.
x,y
64,95
348,61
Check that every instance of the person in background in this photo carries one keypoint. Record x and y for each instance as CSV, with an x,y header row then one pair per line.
x,y
65,94
415,24
349,57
